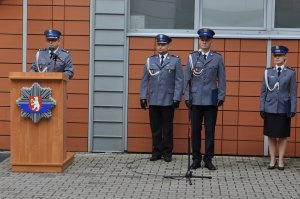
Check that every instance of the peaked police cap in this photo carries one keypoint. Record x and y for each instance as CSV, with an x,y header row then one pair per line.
x,y
164,39
206,32
52,34
279,50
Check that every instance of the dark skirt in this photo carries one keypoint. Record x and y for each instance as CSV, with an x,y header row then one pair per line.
x,y
277,125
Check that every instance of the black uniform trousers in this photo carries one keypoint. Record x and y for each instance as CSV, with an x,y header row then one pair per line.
x,y
209,113
161,123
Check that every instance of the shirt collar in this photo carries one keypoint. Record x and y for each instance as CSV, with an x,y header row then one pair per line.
x,y
282,67
54,51
207,53
165,55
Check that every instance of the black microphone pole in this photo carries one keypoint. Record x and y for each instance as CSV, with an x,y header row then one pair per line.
x,y
189,174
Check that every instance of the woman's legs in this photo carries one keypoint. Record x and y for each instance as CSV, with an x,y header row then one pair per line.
x,y
282,142
272,150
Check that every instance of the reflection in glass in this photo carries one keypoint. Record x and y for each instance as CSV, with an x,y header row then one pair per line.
x,y
233,13
162,14
287,14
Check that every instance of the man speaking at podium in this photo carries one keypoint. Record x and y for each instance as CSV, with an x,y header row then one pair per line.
x,y
53,58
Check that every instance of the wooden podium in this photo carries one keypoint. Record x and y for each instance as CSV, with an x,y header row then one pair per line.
x,y
39,147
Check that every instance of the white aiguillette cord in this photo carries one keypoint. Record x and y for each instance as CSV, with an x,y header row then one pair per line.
x,y
267,84
37,63
149,70
193,69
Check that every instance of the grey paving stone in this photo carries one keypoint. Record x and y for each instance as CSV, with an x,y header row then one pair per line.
x,y
115,175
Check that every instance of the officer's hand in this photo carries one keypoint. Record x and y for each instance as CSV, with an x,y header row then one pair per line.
x,y
143,103
187,103
292,114
176,104
220,102
262,114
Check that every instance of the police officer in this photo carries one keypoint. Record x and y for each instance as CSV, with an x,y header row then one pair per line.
x,y
161,85
53,58
205,88
278,104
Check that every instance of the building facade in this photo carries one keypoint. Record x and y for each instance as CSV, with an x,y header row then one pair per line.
x,y
110,40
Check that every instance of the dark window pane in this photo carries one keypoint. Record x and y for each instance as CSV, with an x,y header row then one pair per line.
x,y
287,14
162,14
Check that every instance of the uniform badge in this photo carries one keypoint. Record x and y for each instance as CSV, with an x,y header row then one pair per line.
x,y
36,102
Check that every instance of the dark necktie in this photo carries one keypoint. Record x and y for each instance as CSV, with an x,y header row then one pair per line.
x,y
279,70
204,56
162,60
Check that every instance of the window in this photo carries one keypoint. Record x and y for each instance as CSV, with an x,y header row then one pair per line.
x,y
233,13
287,14
162,14
230,18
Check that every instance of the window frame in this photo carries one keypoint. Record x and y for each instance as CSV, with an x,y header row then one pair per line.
x,y
267,32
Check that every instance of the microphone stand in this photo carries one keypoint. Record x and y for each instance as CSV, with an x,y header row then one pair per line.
x,y
54,57
189,174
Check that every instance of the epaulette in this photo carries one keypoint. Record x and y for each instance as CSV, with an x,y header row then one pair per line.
x,y
216,52
194,52
65,51
153,56
175,56
43,49
269,68
290,68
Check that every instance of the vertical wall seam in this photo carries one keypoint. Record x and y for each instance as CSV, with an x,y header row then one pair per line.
x,y
269,46
91,77
126,76
24,32
238,99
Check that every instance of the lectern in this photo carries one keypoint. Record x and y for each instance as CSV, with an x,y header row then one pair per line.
x,y
39,146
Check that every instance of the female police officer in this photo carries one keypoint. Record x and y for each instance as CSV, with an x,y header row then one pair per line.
x,y
278,104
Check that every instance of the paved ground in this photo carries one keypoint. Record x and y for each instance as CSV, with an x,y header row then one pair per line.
x,y
103,175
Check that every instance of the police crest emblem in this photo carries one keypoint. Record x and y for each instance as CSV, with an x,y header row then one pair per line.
x,y
36,102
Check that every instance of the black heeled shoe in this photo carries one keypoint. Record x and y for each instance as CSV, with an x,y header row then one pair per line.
x,y
272,167
280,168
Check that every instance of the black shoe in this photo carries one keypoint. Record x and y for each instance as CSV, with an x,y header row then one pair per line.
x,y
196,164
272,167
167,158
154,158
209,165
280,168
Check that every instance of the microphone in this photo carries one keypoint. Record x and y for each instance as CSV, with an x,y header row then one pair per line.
x,y
51,48
53,55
